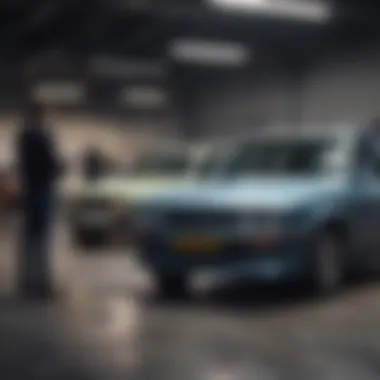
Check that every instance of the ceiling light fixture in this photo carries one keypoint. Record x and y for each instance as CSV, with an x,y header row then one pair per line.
x,y
209,53
318,11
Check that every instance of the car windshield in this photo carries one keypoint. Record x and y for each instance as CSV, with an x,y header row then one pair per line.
x,y
208,165
212,162
160,163
306,157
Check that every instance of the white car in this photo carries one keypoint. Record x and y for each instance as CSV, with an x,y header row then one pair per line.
x,y
101,211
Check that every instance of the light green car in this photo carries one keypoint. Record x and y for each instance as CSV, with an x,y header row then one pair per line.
x,y
100,212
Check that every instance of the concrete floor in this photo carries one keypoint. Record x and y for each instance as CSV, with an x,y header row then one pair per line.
x,y
107,326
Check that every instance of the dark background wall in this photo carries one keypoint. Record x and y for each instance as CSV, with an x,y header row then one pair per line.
x,y
343,87
300,73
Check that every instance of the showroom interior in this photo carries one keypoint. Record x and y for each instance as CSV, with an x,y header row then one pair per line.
x,y
126,76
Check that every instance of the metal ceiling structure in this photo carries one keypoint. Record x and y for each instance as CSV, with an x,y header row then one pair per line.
x,y
129,27
50,39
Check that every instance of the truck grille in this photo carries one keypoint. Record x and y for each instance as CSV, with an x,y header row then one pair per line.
x,y
202,219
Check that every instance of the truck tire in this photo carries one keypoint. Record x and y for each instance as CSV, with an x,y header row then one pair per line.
x,y
172,286
327,265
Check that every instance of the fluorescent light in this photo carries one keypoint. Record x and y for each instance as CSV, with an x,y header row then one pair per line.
x,y
59,93
209,53
305,10
143,97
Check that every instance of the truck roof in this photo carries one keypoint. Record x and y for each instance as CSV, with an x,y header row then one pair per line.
x,y
332,131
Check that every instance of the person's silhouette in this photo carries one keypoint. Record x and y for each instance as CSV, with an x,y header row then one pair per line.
x,y
93,164
39,168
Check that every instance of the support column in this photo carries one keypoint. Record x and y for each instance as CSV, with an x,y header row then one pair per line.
x,y
186,102
298,69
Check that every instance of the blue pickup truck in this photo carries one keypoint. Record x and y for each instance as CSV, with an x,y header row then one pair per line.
x,y
284,206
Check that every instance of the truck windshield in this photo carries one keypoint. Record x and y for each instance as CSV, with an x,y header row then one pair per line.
x,y
209,165
306,157
161,164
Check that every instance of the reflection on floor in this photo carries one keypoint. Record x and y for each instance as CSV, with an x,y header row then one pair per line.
x,y
109,327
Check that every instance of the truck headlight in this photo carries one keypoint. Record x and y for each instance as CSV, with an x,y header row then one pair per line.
x,y
146,221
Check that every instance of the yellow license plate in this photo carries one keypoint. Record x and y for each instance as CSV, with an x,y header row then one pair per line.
x,y
197,244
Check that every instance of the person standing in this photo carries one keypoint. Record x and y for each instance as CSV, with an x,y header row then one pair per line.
x,y
39,169
93,164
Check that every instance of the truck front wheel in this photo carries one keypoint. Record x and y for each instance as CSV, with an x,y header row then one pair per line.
x,y
172,286
327,264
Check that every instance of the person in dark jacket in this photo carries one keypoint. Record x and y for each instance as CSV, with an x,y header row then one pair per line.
x,y
39,169
93,164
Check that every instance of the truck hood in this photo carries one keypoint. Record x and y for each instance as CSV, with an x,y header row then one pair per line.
x,y
260,193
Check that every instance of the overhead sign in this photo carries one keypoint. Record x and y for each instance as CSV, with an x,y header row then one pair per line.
x,y
59,93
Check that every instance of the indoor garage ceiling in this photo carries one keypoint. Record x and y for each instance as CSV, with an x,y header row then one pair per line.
x,y
144,27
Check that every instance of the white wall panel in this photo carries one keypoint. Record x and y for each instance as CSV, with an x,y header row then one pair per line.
x,y
119,141
245,105
343,88
339,88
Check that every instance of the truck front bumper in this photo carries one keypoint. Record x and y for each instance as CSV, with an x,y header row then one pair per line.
x,y
285,262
